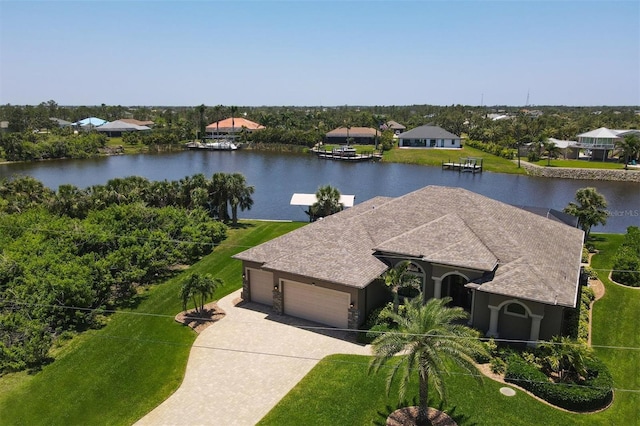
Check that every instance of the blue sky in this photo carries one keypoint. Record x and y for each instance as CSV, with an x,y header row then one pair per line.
x,y
320,52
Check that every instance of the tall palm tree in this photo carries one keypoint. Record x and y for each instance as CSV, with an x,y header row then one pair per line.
x,y
589,209
399,277
238,195
218,186
328,203
429,337
551,150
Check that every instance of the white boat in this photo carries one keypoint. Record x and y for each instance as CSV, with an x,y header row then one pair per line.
x,y
214,146
344,151
221,146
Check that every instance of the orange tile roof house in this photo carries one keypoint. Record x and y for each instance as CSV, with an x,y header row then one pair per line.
x,y
516,273
229,127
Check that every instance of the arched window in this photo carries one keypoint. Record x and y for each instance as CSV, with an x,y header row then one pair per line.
x,y
515,309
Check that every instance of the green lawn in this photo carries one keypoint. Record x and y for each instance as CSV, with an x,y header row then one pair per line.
x,y
128,148
580,164
339,390
117,374
435,157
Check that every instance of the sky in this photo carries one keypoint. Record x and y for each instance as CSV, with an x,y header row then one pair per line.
x,y
320,53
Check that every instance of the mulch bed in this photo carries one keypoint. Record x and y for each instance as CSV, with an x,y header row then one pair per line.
x,y
198,321
407,416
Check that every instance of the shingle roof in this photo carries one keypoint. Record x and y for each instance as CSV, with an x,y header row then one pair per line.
x,y
537,258
354,132
121,126
428,132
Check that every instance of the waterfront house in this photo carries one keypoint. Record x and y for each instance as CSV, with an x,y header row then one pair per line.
x,y
601,142
429,137
516,273
230,127
355,135
118,127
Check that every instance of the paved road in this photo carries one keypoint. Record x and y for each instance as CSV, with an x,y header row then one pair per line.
x,y
241,366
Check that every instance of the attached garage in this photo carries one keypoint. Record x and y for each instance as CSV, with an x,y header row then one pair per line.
x,y
260,286
315,303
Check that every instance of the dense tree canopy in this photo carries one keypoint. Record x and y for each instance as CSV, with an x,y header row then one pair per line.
x,y
67,255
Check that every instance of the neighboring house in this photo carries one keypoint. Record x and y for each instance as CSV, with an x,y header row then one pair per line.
x,y
118,127
4,126
516,273
147,123
89,123
230,127
356,135
61,123
601,141
429,137
568,149
395,126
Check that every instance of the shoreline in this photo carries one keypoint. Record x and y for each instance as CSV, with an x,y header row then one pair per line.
x,y
533,170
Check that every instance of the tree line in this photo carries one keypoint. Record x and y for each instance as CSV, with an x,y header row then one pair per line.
x,y
68,255
302,125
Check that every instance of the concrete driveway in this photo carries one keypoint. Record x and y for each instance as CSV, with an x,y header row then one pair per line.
x,y
241,366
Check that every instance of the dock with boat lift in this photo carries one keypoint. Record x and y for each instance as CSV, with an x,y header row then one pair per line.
x,y
344,155
464,164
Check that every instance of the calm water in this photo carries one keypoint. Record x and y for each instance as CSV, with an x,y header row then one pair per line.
x,y
277,176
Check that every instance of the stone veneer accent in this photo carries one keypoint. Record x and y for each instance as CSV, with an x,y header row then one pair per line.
x,y
353,320
278,305
585,174
246,292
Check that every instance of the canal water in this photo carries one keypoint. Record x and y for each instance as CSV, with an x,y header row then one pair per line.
x,y
277,176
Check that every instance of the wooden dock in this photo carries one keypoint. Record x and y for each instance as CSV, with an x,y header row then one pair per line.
x,y
330,155
471,165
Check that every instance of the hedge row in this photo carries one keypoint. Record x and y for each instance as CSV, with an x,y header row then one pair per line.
x,y
593,393
492,148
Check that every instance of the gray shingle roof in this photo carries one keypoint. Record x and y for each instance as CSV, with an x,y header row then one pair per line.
x,y
537,258
428,132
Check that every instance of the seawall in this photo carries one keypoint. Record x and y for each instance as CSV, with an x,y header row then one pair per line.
x,y
587,174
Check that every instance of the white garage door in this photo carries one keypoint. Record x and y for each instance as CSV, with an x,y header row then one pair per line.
x,y
261,286
316,303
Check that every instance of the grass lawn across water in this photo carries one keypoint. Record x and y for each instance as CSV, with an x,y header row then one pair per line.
x,y
339,390
117,374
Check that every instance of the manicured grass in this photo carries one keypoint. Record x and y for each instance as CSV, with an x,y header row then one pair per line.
x,y
435,157
117,374
128,148
580,164
339,390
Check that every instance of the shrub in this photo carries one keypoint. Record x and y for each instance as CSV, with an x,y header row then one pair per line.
x,y
592,393
533,156
585,255
593,275
497,365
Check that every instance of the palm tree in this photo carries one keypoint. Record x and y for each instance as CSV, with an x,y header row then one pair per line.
x,y
551,150
238,195
218,194
198,288
429,337
589,209
328,203
399,277
566,357
630,147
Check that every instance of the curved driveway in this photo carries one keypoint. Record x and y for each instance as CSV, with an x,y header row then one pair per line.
x,y
241,366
